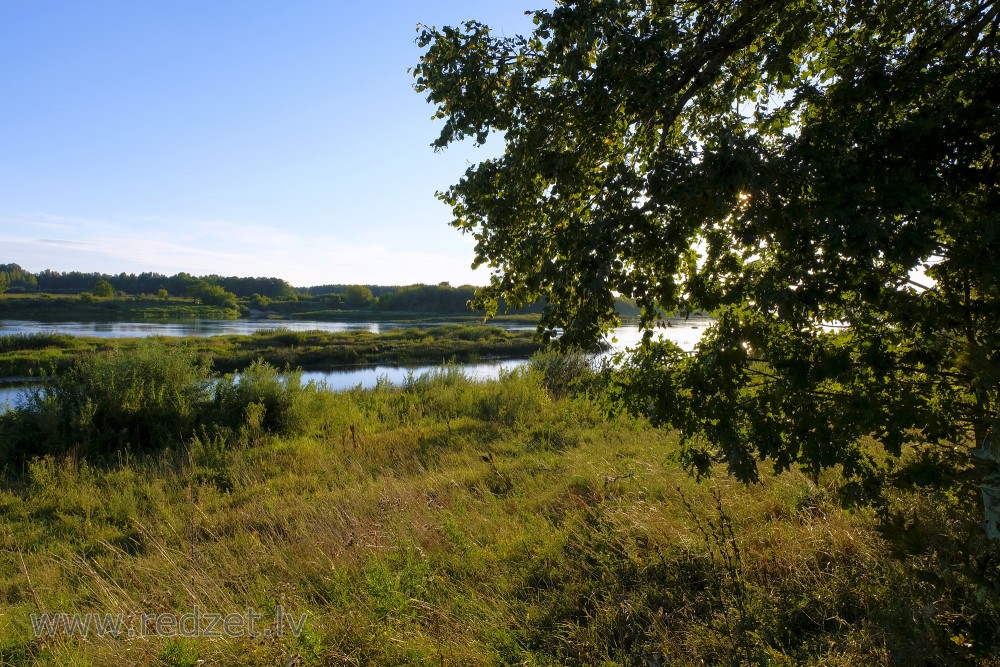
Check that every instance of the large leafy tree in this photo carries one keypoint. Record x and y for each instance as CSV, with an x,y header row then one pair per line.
x,y
822,175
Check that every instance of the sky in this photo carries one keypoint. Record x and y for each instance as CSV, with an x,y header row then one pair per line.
x,y
250,138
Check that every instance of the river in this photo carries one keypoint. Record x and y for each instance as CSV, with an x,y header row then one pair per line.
x,y
182,328
686,333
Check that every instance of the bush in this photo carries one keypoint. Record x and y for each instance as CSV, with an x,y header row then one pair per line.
x,y
104,289
518,397
142,399
445,393
261,400
151,398
563,373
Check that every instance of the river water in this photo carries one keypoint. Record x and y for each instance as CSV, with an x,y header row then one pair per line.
x,y
210,327
686,333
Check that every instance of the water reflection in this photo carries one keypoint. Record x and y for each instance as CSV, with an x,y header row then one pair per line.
x,y
365,377
684,333
205,328
368,376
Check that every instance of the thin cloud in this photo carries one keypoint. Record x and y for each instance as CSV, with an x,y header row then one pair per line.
x,y
227,247
67,244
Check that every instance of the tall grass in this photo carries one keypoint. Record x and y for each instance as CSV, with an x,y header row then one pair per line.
x,y
144,399
35,341
23,354
149,398
451,522
261,398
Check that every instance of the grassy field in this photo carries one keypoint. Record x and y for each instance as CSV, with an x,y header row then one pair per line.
x,y
25,355
70,307
448,522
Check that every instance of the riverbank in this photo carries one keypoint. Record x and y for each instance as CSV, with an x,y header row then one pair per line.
x,y
71,307
414,317
29,355
450,522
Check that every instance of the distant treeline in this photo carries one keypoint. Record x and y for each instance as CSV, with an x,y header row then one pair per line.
x,y
442,298
325,290
14,278
151,283
260,293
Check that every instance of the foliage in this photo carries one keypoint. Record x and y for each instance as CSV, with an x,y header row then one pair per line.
x,y
358,296
151,283
275,401
150,397
35,341
103,289
84,307
429,298
147,398
211,294
412,528
378,291
17,278
24,355
564,373
516,398
792,166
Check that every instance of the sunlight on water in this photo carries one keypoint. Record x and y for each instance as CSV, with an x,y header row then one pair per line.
x,y
685,333
209,327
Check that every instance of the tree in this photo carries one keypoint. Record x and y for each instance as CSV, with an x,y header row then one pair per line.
x,y
3,282
19,278
210,294
358,296
822,175
104,289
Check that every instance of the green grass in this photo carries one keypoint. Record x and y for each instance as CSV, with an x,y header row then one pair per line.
x,y
24,355
457,523
70,307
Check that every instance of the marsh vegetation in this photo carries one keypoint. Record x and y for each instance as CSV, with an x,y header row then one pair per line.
x,y
34,354
528,520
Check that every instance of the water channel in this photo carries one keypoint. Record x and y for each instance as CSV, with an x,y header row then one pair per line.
x,y
685,333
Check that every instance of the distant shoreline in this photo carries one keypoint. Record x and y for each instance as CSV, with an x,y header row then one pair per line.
x,y
29,355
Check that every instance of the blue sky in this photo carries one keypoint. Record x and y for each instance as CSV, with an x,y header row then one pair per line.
x,y
232,137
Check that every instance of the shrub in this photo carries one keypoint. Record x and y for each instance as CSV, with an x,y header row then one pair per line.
x,y
104,289
260,399
142,399
517,397
563,373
